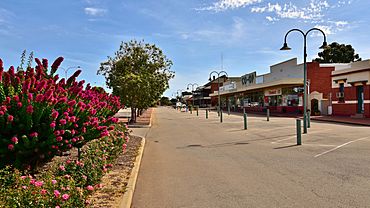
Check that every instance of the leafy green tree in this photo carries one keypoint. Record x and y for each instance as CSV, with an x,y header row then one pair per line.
x,y
173,101
165,101
139,73
338,53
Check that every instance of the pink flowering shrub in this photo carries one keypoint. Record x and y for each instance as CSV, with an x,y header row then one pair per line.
x,y
42,115
66,184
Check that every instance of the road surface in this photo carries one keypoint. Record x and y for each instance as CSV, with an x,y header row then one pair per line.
x,y
193,162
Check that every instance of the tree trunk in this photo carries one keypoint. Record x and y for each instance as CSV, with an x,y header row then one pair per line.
x,y
133,115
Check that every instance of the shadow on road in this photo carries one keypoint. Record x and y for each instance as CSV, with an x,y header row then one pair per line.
x,y
294,145
213,145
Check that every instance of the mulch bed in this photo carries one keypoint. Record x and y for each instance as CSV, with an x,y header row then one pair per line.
x,y
144,119
115,181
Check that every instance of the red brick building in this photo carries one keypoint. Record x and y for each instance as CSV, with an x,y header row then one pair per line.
x,y
319,87
351,90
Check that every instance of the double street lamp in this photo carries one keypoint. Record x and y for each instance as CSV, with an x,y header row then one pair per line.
x,y
218,78
66,70
181,90
192,89
285,47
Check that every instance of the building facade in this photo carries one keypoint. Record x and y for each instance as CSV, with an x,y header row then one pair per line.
x,y
280,90
351,90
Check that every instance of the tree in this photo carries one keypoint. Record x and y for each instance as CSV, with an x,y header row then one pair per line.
x,y
173,101
338,53
139,73
165,101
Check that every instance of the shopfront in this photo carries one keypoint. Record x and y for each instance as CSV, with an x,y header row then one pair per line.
x,y
284,99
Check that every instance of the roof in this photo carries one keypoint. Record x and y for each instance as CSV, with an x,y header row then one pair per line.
x,y
353,68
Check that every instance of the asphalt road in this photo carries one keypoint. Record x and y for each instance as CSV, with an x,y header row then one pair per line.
x,y
193,162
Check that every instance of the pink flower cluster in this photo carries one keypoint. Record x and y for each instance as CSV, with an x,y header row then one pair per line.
x,y
36,101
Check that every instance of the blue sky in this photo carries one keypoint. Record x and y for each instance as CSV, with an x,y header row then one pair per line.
x,y
192,33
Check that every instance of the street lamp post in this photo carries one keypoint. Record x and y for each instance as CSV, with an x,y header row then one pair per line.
x,y
192,90
181,90
285,47
66,70
218,78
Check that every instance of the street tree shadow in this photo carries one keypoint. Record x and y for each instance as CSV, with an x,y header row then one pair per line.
x,y
213,145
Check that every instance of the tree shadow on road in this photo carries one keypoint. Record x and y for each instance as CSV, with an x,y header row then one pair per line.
x,y
213,145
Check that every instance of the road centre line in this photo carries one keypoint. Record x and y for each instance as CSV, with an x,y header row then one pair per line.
x,y
342,145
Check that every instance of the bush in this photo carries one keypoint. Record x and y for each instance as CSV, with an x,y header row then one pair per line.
x,y
65,184
42,116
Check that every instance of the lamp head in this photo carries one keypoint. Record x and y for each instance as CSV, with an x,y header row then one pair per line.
x,y
324,45
285,47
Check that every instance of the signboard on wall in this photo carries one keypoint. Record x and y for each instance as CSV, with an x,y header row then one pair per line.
x,y
273,92
228,87
249,79
259,79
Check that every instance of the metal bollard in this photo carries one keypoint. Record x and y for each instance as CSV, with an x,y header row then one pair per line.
x,y
228,109
299,132
206,113
245,121
221,116
308,120
268,114
191,110
197,111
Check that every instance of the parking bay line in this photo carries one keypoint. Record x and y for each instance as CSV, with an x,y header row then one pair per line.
x,y
342,145
292,137
312,144
280,140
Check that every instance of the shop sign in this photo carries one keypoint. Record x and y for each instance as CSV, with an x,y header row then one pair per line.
x,y
228,87
273,92
249,79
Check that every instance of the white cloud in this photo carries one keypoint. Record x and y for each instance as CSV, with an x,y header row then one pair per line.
x,y
331,27
327,29
95,11
340,23
290,11
272,19
233,34
5,16
222,5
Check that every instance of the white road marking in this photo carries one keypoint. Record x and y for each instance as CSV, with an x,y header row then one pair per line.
x,y
272,129
339,146
292,137
315,145
280,140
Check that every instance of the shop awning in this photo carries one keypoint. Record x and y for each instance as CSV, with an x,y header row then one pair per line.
x,y
292,81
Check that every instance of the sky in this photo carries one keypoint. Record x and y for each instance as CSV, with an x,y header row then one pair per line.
x,y
194,34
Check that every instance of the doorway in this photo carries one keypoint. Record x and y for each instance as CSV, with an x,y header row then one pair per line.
x,y
360,99
315,107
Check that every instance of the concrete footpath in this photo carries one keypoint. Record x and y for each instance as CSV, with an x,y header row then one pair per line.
x,y
193,162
